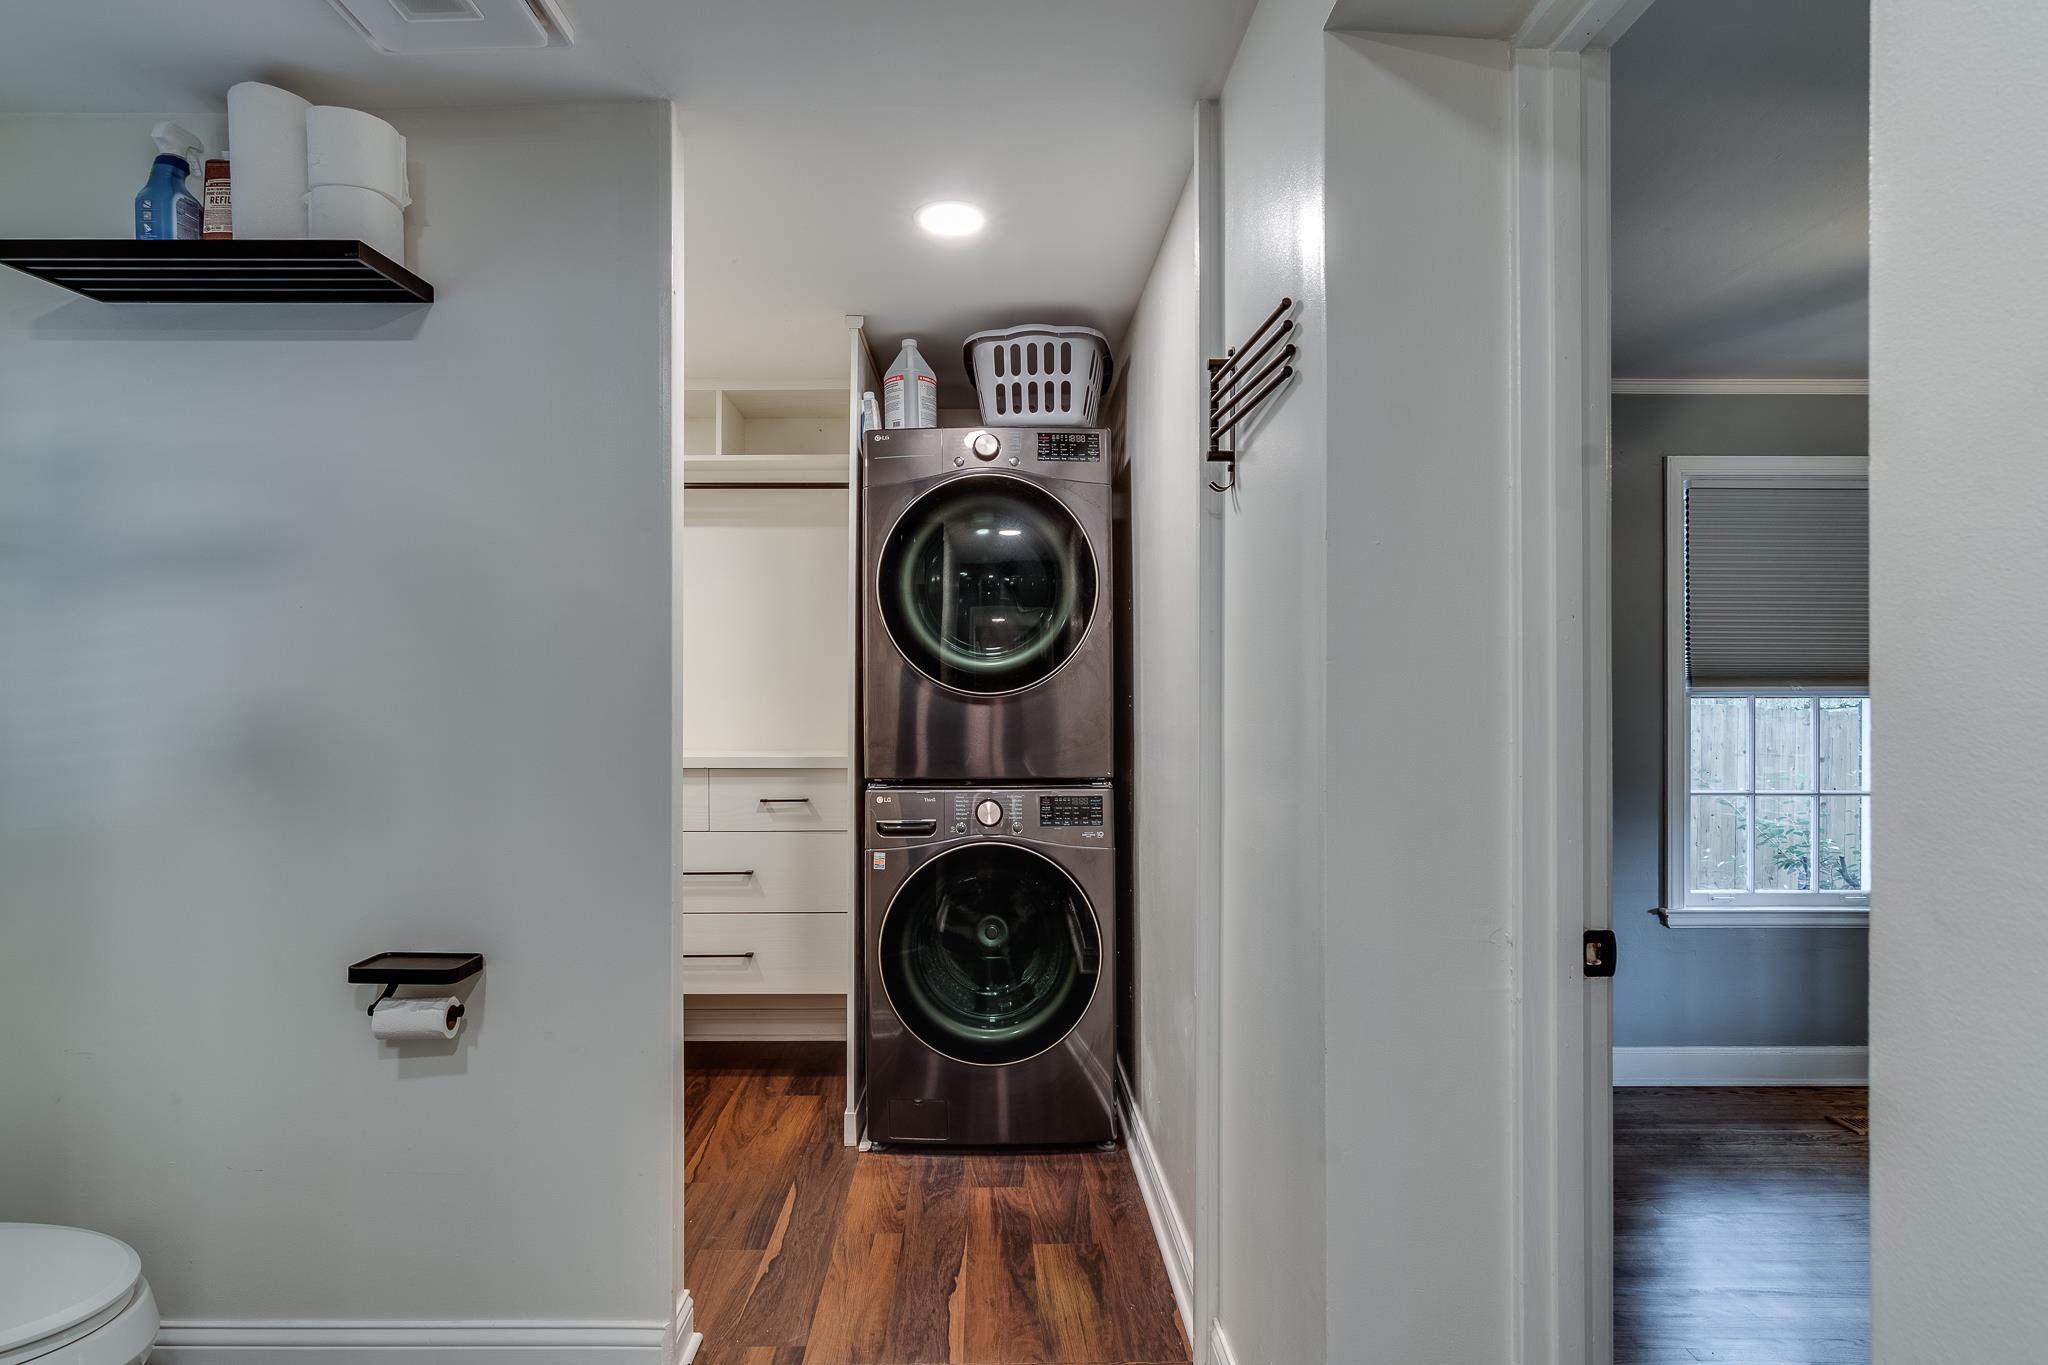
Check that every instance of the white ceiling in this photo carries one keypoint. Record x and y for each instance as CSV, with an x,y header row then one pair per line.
x,y
1741,190
813,129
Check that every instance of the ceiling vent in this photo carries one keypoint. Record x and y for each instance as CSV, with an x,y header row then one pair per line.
x,y
415,26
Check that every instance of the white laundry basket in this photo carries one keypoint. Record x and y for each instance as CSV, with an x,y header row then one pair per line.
x,y
1037,376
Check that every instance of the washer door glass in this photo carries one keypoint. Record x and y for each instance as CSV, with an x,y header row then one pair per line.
x,y
987,584
990,954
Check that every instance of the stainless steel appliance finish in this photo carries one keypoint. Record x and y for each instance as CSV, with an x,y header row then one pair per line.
x,y
986,643
988,941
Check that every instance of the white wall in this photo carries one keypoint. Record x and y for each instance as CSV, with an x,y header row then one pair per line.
x,y
1420,655
325,631
1368,823
1163,392
1271,1255
1959,1076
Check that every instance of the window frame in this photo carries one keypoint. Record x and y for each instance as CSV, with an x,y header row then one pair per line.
x,y
1683,908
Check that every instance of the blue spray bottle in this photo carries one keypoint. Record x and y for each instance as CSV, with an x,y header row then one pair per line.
x,y
165,210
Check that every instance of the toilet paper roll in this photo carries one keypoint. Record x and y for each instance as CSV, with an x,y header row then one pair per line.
x,y
400,1021
267,138
349,147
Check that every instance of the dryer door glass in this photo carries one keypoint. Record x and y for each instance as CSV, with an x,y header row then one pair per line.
x,y
990,954
987,585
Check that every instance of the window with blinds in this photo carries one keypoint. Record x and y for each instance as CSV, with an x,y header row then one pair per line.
x,y
1769,769
1777,584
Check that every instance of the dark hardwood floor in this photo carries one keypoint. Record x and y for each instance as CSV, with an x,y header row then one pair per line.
x,y
801,1251
1741,1228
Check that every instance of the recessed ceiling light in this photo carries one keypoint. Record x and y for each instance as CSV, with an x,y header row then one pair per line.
x,y
951,218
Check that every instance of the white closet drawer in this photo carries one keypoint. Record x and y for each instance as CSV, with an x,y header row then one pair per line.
x,y
767,954
725,873
779,798
696,798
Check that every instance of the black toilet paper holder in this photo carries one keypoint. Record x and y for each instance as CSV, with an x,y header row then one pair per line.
x,y
392,970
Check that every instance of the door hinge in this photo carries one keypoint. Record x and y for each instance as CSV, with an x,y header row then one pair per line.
x,y
1599,952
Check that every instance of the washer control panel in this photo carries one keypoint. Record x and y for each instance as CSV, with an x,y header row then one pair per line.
x,y
1079,816
1070,812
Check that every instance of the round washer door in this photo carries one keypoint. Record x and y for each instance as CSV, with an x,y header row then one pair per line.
x,y
987,585
990,954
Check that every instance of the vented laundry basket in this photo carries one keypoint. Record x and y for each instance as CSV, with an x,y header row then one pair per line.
x,y
1036,376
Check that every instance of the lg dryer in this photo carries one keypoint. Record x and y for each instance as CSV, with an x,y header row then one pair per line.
x,y
988,936
986,641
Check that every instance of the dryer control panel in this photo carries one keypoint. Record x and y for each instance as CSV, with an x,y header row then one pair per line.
x,y
905,454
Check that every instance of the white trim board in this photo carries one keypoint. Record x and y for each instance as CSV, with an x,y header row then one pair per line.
x,y
415,1343
683,1337
1735,386
1219,1346
1169,1229
1763,917
1742,1066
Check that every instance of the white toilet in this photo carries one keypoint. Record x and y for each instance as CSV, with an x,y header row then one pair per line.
x,y
72,1297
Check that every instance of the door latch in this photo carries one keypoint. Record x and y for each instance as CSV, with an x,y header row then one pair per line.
x,y
1599,952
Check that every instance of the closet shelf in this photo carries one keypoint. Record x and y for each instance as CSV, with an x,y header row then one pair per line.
x,y
217,272
805,471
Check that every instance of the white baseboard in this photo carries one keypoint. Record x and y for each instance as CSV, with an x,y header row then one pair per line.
x,y
1742,1066
764,1019
1176,1248
683,1337
1219,1346
414,1343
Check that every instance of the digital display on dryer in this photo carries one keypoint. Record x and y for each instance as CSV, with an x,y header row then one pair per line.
x,y
1070,445
1083,812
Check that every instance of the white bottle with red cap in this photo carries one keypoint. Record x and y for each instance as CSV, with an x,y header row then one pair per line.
x,y
910,391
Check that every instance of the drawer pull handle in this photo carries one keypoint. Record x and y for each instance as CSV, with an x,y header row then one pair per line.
x,y
742,955
785,800
906,829
735,872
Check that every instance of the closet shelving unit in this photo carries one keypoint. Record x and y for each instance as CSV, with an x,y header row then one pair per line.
x,y
771,810
764,437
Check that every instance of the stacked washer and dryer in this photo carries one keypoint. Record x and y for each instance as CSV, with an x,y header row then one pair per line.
x,y
988,925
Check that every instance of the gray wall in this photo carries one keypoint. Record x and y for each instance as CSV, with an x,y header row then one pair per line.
x,y
325,631
1705,987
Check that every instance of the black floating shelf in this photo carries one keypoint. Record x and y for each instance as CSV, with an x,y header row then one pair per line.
x,y
218,272
415,969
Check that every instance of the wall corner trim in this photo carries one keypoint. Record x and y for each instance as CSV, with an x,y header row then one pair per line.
x,y
1176,1249
1820,1066
418,1343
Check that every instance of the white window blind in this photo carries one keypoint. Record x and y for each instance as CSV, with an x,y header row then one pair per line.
x,y
1777,585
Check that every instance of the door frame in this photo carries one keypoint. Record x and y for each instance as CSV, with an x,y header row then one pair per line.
x,y
1208,841
1562,1146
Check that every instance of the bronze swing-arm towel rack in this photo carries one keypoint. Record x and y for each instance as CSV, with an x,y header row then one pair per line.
x,y
1242,380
